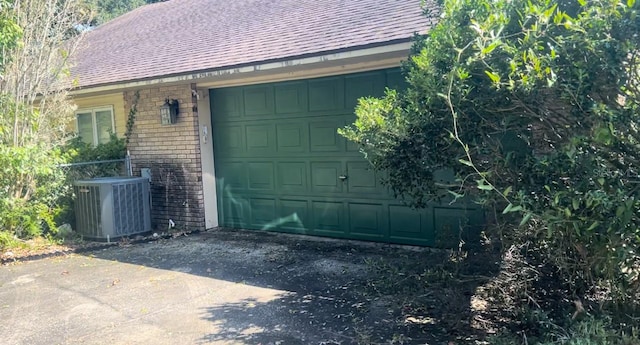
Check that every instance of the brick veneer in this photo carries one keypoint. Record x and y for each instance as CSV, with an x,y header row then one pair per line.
x,y
172,152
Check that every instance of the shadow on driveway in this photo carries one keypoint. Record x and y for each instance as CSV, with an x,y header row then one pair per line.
x,y
264,288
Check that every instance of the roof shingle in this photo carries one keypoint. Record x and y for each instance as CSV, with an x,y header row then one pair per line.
x,y
183,36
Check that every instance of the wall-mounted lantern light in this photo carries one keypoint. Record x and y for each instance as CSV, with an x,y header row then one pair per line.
x,y
169,111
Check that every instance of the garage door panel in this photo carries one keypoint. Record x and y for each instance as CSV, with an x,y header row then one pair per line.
x,y
328,216
361,179
395,79
227,104
407,225
326,94
352,147
230,140
292,137
292,177
404,219
324,136
325,177
363,85
261,176
291,98
263,212
235,210
367,220
449,218
261,140
295,215
258,100
232,174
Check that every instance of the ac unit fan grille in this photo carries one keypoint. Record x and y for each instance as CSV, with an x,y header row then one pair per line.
x,y
128,208
88,214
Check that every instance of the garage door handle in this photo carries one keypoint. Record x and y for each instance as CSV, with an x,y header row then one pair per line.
x,y
342,177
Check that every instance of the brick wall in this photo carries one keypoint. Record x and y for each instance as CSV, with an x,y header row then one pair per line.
x,y
172,152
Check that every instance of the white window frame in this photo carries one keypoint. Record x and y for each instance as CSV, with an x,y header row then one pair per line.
x,y
94,127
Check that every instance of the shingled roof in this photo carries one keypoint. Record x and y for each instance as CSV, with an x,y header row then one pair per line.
x,y
184,36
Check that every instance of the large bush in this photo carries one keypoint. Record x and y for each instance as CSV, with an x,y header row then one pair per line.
x,y
78,151
34,110
31,183
534,104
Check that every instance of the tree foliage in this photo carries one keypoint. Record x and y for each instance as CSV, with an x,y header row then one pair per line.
x,y
9,31
34,109
534,105
106,10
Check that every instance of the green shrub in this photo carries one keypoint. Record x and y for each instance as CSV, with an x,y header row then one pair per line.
x,y
591,331
31,185
534,105
77,151
80,151
8,240
36,194
35,111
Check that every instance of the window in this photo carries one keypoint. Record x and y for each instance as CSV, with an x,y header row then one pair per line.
x,y
95,125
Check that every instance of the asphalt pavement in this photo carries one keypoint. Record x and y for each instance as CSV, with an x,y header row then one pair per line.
x,y
220,287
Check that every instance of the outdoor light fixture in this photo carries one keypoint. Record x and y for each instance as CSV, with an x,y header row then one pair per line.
x,y
169,111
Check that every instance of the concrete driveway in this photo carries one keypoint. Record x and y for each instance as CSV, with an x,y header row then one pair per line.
x,y
221,287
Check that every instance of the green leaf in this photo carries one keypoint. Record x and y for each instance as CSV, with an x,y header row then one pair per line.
x,y
593,226
525,219
582,2
494,77
550,10
465,162
507,191
516,209
630,3
603,135
557,19
491,47
575,203
620,210
510,208
485,187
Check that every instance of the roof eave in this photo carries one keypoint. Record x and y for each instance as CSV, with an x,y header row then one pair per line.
x,y
396,46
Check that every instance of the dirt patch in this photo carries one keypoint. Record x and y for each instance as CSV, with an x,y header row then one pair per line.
x,y
35,249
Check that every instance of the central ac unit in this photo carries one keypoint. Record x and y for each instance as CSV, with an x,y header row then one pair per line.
x,y
112,207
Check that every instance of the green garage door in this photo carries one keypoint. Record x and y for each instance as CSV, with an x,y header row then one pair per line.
x,y
281,165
